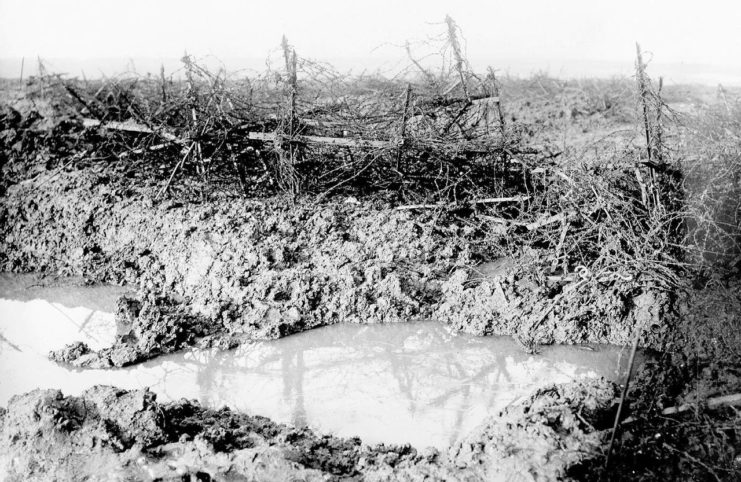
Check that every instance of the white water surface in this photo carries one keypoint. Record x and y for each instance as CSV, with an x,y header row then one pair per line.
x,y
416,383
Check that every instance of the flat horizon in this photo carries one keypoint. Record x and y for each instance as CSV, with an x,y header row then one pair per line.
x,y
94,68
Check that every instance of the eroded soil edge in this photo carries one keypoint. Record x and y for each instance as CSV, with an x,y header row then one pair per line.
x,y
219,273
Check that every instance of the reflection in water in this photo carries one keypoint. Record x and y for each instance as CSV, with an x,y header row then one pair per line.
x,y
413,383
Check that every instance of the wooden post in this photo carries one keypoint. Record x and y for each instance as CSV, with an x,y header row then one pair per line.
x,y
288,176
42,76
495,92
164,83
42,67
193,101
402,131
192,94
658,151
658,147
20,79
497,95
289,55
643,94
455,44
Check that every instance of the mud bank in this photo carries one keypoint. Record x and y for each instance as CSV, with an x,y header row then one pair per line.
x,y
232,270
113,434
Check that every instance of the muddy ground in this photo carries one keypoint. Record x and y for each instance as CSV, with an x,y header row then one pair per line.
x,y
112,434
218,273
221,271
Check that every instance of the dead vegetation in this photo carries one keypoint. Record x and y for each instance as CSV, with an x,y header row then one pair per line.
x,y
643,216
431,139
299,128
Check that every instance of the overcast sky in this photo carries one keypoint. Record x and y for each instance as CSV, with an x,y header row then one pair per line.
x,y
705,32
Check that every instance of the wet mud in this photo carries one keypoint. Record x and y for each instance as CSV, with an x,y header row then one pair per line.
x,y
222,273
113,434
219,273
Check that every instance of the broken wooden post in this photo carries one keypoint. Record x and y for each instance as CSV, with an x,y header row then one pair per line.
x,y
163,84
455,44
289,55
643,95
658,151
287,173
496,95
192,96
497,99
402,130
459,64
42,76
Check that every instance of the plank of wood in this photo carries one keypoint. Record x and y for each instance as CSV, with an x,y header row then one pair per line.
x,y
733,399
331,141
129,126
495,200
349,142
421,206
491,200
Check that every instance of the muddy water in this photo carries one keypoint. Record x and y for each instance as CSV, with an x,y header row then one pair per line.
x,y
415,383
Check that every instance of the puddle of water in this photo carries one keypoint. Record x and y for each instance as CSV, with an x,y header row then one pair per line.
x,y
415,383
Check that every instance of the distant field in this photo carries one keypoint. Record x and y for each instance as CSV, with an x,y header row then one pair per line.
x,y
674,73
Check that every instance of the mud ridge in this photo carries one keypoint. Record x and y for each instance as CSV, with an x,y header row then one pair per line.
x,y
113,434
226,271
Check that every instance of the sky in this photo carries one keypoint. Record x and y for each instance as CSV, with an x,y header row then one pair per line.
x,y
545,33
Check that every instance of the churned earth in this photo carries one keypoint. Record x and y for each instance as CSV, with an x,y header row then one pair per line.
x,y
113,434
224,271
219,273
